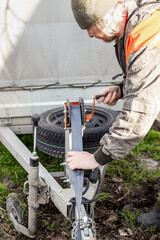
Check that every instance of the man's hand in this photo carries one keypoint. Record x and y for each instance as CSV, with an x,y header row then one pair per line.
x,y
81,160
112,94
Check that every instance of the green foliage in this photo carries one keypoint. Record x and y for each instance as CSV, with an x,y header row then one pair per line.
x,y
69,235
129,216
10,169
103,197
4,216
67,222
150,145
151,229
49,227
3,193
153,175
129,168
45,222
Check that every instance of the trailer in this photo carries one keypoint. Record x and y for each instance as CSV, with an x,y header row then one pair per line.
x,y
46,61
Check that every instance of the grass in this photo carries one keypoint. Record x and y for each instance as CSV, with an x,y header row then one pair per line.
x,y
129,216
129,168
12,170
103,197
50,227
150,144
3,193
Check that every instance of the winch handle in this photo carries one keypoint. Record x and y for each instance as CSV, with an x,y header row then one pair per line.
x,y
90,116
99,96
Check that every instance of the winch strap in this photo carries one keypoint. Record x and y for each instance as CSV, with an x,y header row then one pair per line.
x,y
77,145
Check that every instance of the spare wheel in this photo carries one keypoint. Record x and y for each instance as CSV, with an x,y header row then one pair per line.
x,y
51,133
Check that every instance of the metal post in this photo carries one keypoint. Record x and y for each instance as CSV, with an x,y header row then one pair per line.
x,y
33,184
33,195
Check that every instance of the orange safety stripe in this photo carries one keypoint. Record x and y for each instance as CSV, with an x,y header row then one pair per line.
x,y
145,33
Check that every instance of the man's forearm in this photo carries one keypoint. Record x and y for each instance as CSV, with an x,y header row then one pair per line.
x,y
102,158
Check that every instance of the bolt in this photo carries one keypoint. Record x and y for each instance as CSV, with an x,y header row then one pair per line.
x,y
63,164
66,181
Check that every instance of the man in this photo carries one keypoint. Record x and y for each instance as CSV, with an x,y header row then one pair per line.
x,y
135,25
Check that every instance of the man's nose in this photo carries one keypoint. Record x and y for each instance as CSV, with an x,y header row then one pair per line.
x,y
90,33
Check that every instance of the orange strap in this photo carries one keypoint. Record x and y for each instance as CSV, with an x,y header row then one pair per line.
x,y
145,33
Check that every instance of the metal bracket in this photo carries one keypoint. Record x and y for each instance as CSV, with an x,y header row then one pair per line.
x,y
8,121
43,192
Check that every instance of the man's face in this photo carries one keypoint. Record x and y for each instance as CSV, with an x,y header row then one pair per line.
x,y
94,31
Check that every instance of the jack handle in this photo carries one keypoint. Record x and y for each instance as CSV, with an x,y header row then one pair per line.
x,y
90,116
35,119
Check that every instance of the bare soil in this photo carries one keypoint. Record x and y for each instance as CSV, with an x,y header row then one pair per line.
x,y
110,224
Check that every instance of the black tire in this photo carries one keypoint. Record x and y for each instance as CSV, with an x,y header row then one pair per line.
x,y
13,206
51,133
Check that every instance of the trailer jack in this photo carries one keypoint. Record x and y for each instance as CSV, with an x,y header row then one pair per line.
x,y
33,204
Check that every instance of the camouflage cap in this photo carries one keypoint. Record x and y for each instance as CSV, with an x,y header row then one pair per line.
x,y
89,12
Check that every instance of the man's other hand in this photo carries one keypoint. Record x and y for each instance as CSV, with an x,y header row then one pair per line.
x,y
110,95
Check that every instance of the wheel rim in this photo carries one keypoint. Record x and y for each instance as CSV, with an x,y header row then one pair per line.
x,y
100,118
14,213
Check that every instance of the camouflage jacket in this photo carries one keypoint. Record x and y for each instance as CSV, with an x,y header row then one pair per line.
x,y
141,95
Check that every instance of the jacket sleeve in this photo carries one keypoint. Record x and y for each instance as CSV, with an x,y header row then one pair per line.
x,y
121,87
140,106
